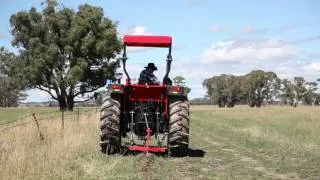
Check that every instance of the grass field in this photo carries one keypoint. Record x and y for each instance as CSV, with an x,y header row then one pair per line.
x,y
8,115
239,143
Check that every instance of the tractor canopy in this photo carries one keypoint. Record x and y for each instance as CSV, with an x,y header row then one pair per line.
x,y
147,41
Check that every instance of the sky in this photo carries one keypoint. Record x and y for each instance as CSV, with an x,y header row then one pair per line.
x,y
209,37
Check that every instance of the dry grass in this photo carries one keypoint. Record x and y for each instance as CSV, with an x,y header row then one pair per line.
x,y
240,143
24,156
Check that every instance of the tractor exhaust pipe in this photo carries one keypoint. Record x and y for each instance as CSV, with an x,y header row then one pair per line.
x,y
124,60
169,60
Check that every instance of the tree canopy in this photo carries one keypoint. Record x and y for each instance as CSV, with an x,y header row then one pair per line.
x,y
58,47
257,87
10,87
224,90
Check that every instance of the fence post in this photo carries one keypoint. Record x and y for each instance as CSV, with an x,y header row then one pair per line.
x,y
62,119
78,113
38,127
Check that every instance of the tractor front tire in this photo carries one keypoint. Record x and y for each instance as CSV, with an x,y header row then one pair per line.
x,y
110,140
179,128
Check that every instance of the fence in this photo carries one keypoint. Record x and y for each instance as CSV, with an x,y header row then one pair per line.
x,y
36,117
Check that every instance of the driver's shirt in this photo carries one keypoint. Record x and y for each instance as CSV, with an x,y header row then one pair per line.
x,y
148,77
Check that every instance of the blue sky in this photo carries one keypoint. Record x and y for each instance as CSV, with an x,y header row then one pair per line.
x,y
210,37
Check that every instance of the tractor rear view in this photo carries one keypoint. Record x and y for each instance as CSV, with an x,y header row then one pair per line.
x,y
133,112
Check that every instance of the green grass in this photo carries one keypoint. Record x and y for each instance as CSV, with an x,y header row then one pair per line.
x,y
269,142
8,115
240,143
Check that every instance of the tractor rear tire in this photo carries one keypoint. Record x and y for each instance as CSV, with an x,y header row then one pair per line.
x,y
110,140
179,128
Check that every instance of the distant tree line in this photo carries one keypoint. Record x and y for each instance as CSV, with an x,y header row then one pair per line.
x,y
201,101
258,87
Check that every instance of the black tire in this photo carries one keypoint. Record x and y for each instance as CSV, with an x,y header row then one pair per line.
x,y
179,128
110,140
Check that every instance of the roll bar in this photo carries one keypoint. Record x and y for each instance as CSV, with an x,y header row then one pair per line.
x,y
147,41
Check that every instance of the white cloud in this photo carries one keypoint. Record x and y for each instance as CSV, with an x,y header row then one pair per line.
x,y
137,49
249,50
137,30
240,56
307,39
141,30
315,66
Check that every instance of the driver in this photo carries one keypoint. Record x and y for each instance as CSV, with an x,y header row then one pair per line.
x,y
147,76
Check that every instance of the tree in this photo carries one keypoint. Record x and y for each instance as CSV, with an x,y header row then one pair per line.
x,y
261,86
224,90
181,81
214,87
232,92
10,87
287,91
58,47
310,97
273,86
9,94
299,89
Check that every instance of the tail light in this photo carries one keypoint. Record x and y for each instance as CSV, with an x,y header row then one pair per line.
x,y
116,88
175,90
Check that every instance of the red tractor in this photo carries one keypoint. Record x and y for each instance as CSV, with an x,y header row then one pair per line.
x,y
138,112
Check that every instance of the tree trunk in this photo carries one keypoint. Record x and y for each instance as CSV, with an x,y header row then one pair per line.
x,y
252,103
295,102
66,103
70,102
258,103
220,103
62,103
313,101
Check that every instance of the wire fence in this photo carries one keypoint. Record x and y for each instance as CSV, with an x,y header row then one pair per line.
x,y
44,116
